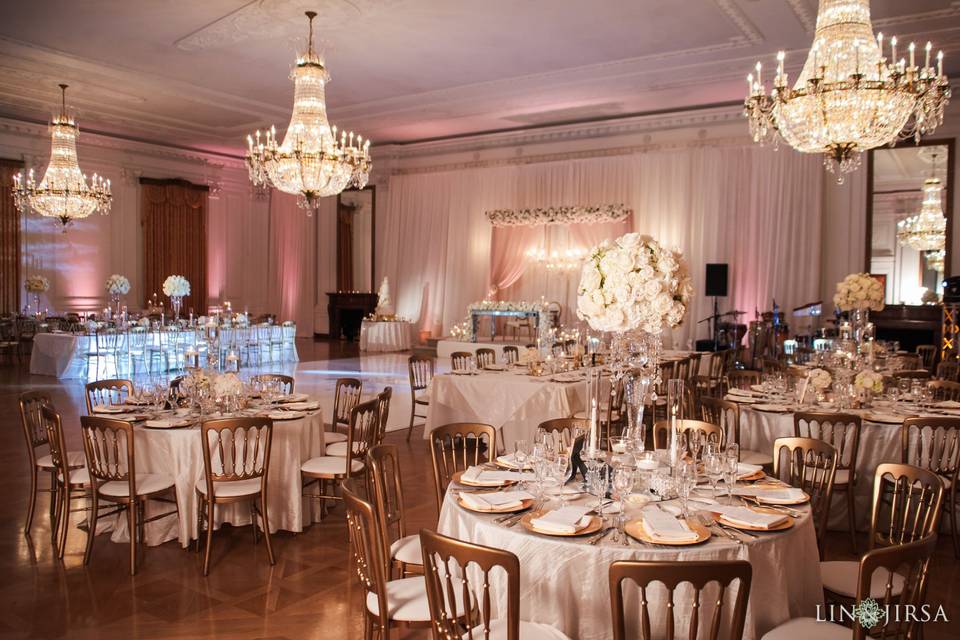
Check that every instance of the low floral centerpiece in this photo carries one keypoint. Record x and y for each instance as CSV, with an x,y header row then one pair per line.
x,y
176,287
820,379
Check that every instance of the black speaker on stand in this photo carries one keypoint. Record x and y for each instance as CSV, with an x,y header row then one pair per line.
x,y
716,287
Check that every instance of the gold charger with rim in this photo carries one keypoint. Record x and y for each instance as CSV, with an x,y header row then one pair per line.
x,y
524,504
783,526
595,525
635,529
458,478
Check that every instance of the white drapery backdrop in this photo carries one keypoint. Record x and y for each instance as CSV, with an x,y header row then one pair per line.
x,y
757,209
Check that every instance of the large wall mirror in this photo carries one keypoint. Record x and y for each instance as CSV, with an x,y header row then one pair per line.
x,y
356,220
909,187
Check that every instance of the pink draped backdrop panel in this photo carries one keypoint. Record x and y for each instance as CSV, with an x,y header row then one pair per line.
x,y
508,259
292,269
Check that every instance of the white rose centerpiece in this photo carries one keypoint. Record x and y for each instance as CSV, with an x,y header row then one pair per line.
x,y
869,381
820,379
176,287
36,284
118,285
859,292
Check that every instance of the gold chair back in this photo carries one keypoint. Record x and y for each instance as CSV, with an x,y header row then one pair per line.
x,y
346,396
383,411
724,414
383,462
421,372
113,391
511,354
363,432
906,504
286,382
31,420
486,356
367,549
927,353
932,444
945,390
108,447
456,447
842,430
710,432
694,369
949,370
53,427
699,575
457,572
811,465
742,379
236,449
563,431
912,374
460,360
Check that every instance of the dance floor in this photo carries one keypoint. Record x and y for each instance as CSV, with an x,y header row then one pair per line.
x,y
309,593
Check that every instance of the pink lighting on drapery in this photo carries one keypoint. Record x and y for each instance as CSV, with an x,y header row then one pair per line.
x,y
292,264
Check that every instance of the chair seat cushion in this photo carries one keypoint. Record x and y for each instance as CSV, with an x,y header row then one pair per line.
x,y
147,483
249,487
840,577
807,628
422,397
74,460
340,448
407,549
330,437
840,478
77,476
329,466
407,600
748,456
528,631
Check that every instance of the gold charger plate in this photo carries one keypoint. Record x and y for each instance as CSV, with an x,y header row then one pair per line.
x,y
458,478
524,504
756,475
595,525
803,500
786,524
635,529
511,467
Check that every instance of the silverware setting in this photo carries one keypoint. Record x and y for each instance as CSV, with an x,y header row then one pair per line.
x,y
597,537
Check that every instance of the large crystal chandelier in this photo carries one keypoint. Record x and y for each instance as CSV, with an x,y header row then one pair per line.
x,y
849,96
926,231
312,161
63,192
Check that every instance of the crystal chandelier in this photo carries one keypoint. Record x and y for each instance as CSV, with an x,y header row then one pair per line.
x,y
926,231
63,192
849,96
312,161
936,259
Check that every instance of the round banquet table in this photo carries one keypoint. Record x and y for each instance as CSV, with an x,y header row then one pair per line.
x,y
385,336
512,401
564,581
178,453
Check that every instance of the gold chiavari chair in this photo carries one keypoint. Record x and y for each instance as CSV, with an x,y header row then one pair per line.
x,y
906,508
944,390
880,571
770,365
285,382
36,435
928,354
511,354
694,369
388,603
486,356
383,462
699,575
421,372
106,392
236,464
842,430
460,360
346,396
934,444
383,411
726,414
742,379
681,369
612,415
456,447
912,374
810,465
949,370
709,432
111,462
456,572
361,435
563,431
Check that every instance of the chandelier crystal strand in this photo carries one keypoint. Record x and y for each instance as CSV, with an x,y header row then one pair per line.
x,y
63,193
926,231
849,97
311,161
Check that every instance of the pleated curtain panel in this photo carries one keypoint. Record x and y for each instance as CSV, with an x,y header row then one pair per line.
x,y
174,218
10,280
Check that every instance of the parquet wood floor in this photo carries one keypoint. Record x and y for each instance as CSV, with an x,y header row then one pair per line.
x,y
308,594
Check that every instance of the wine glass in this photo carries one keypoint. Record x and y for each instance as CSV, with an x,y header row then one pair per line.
x,y
695,436
622,485
713,467
559,470
684,482
597,486
730,466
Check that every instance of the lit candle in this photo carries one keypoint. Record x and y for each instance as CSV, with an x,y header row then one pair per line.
x,y
911,48
880,43
893,48
759,76
926,61
856,57
940,63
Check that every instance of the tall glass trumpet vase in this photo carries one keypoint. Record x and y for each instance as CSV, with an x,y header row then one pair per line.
x,y
674,415
36,305
118,311
177,303
636,389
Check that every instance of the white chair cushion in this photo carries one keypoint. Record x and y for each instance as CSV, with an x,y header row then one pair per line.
x,y
407,550
407,600
74,460
77,476
841,477
146,483
807,628
249,487
840,577
748,456
340,448
423,397
528,631
334,436
329,465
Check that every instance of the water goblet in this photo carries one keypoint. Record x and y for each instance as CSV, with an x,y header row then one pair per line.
x,y
695,437
684,482
597,486
713,467
621,485
730,473
560,468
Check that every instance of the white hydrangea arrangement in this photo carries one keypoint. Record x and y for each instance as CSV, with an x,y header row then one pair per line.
x,y
820,379
634,283
176,286
226,384
869,381
859,291
118,285
36,283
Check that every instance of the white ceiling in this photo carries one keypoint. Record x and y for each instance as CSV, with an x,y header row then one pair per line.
x,y
202,74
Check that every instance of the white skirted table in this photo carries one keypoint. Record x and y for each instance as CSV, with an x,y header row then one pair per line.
x,y
564,581
53,353
386,336
512,401
178,453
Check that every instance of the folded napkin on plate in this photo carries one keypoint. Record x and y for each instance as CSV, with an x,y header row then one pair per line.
x,y
481,476
744,470
568,519
293,397
748,517
166,423
285,415
511,461
663,526
740,392
780,493
108,408
496,500
949,404
301,406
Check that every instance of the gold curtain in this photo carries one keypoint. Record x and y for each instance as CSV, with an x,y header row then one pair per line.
x,y
9,239
175,238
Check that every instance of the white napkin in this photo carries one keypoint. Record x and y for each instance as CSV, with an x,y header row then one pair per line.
x,y
744,470
293,397
783,494
484,477
663,526
949,404
108,408
568,519
302,406
167,423
497,500
740,392
748,517
510,460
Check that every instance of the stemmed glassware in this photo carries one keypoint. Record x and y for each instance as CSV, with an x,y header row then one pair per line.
x,y
695,437
713,464
559,470
685,481
730,466
597,486
621,486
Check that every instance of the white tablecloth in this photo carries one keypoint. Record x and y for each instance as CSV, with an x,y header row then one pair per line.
x,y
385,336
178,453
512,401
564,582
